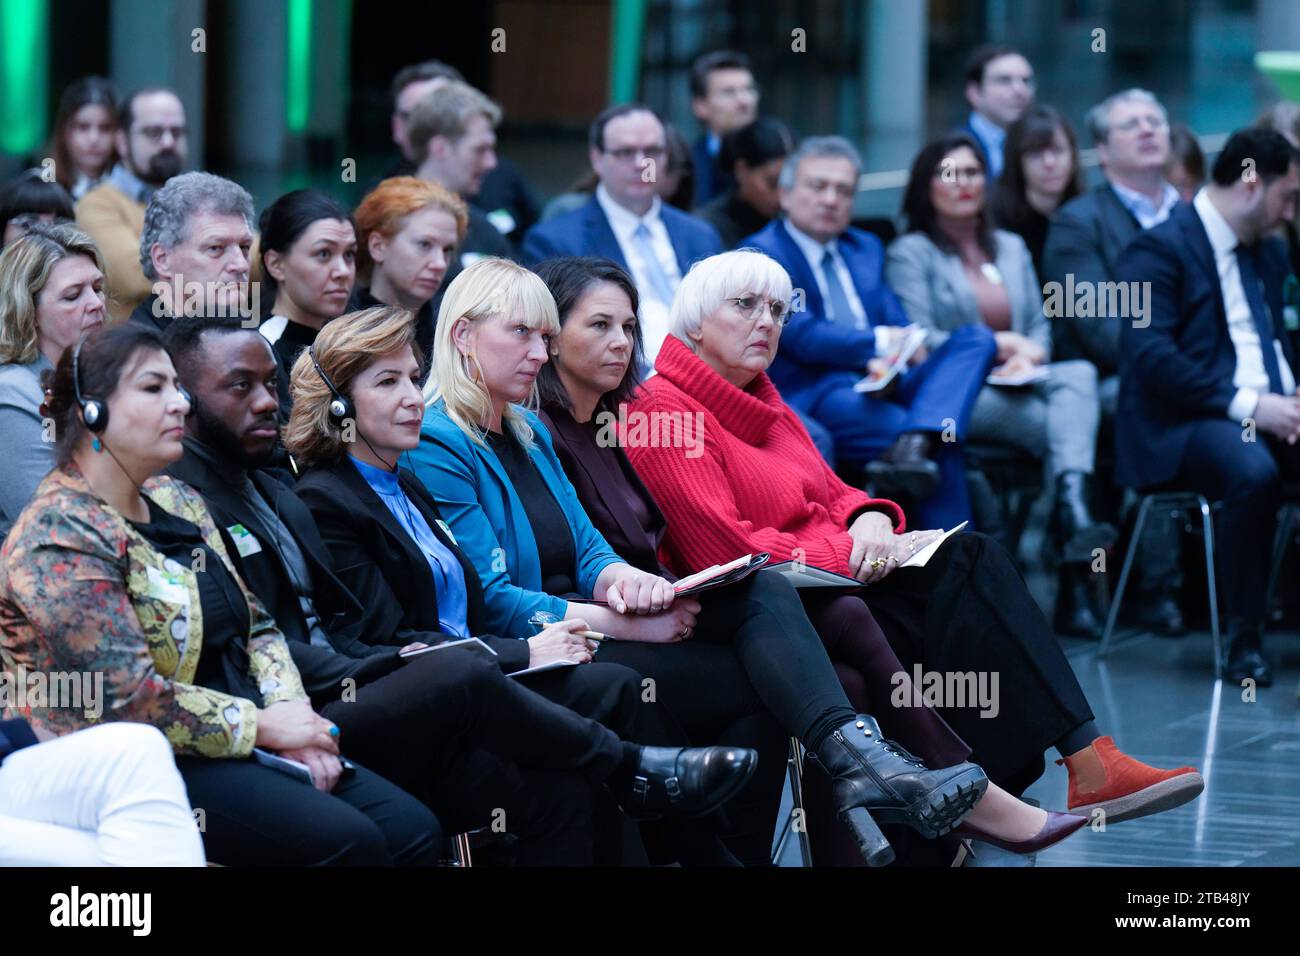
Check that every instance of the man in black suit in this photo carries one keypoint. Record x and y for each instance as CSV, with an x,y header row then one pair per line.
x,y
446,726
1130,131
1208,397
724,97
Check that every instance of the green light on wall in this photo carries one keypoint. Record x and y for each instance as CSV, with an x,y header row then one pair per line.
x,y
24,61
297,93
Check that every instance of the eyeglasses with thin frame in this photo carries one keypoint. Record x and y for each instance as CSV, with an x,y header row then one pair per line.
x,y
751,307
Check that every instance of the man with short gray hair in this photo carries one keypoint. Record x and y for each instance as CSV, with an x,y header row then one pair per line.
x,y
847,324
1084,246
196,248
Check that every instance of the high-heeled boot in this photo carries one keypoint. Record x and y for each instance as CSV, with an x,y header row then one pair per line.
x,y
872,777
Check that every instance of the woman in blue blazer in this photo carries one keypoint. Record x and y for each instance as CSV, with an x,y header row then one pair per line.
x,y
756,665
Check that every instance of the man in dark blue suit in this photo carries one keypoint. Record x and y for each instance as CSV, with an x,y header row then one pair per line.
x,y
626,221
724,97
1208,396
847,318
999,88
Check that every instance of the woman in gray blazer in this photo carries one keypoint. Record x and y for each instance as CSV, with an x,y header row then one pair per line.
x,y
51,293
951,269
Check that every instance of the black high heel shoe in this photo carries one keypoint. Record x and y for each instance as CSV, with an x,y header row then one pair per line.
x,y
690,781
876,781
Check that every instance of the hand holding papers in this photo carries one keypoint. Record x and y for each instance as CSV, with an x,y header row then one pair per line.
x,y
894,361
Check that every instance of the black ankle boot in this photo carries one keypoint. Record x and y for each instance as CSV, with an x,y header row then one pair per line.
x,y
1078,534
1074,616
873,777
1246,654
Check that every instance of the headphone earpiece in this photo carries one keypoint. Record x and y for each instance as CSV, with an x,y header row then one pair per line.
x,y
340,408
93,412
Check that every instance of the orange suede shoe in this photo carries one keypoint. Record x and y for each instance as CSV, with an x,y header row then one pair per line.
x,y
1131,788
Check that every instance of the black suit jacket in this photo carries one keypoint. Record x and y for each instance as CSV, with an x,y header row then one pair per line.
x,y
379,562
322,668
1086,239
606,501
1179,368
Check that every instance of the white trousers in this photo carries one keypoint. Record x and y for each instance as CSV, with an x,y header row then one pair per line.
x,y
105,796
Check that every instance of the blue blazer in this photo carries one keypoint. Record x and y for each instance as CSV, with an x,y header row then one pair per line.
x,y
1179,369
812,344
711,180
586,232
487,518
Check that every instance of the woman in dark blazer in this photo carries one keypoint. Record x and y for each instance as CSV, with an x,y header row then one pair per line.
x,y
390,548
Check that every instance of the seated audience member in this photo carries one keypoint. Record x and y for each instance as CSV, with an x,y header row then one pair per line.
x,y
81,143
1000,86
452,134
1212,364
151,145
488,473
724,97
28,200
412,720
101,573
504,195
953,271
591,372
1186,162
408,230
1284,116
196,248
359,380
754,155
676,181
626,220
51,293
1085,243
309,262
759,486
911,432
105,796
1042,173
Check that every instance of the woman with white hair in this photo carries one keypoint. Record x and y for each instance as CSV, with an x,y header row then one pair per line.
x,y
722,666
760,486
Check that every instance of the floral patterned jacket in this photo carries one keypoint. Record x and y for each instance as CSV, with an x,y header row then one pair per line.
x,y
82,592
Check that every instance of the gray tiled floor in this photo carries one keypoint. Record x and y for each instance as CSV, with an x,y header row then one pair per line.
x,y
1157,698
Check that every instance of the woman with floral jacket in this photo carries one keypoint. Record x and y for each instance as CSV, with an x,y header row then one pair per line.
x,y
121,576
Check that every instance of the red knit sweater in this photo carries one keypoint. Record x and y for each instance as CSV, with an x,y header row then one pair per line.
x,y
759,484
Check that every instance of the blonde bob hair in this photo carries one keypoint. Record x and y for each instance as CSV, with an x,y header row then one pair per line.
x,y
489,288
345,347
25,267
712,281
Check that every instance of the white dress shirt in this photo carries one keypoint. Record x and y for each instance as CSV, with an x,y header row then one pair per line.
x,y
814,252
1251,377
654,313
1145,210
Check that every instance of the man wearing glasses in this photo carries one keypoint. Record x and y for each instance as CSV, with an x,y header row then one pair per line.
x,y
724,97
999,88
845,324
626,221
152,144
1084,247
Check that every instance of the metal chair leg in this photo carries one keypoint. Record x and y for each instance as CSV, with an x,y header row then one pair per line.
x,y
460,849
794,764
1129,557
1207,523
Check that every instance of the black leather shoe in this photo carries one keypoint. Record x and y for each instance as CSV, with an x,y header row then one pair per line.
x,y
1246,658
1074,615
905,468
691,781
1160,614
1078,534
874,780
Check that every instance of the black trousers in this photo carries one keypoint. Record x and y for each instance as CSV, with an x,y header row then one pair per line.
x,y
968,612
1247,477
255,816
484,751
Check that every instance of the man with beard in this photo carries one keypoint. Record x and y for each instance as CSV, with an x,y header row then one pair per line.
x,y
152,143
196,247
448,726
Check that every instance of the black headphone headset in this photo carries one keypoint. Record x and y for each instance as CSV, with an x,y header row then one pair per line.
x,y
340,408
94,412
